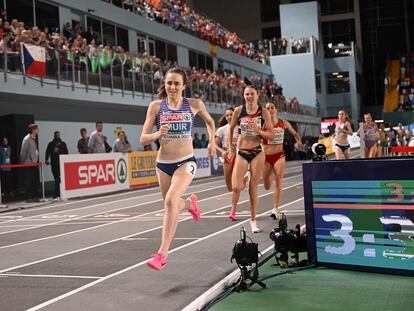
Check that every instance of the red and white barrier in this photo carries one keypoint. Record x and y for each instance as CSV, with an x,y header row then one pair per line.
x,y
400,149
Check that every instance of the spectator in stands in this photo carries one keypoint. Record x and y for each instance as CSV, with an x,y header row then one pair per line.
x,y
196,141
179,15
29,154
4,14
158,76
122,144
203,141
83,142
90,35
1,29
67,30
6,29
96,142
5,173
55,148
223,85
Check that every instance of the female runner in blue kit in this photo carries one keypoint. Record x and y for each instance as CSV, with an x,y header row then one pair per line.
x,y
176,166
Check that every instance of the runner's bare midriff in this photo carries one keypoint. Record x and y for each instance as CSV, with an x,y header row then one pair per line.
x,y
175,149
247,142
272,149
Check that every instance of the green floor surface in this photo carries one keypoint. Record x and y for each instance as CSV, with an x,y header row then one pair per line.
x,y
324,289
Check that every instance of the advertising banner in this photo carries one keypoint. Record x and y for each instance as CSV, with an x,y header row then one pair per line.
x,y
216,164
91,174
141,169
203,163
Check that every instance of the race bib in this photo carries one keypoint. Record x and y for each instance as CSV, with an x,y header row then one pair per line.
x,y
180,125
191,168
279,136
245,124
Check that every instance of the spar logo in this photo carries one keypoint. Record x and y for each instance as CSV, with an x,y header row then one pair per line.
x,y
175,117
187,117
121,170
88,174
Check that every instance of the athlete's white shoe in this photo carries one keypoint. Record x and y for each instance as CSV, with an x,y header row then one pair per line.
x,y
275,214
254,227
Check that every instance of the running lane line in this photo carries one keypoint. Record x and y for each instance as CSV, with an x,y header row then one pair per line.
x,y
88,215
116,221
97,213
82,288
133,235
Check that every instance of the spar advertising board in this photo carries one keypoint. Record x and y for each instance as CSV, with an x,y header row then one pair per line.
x,y
91,174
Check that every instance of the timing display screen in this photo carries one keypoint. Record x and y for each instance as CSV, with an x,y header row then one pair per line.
x,y
369,223
362,221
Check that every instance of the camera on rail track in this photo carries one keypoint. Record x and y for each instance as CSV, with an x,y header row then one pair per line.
x,y
245,253
286,241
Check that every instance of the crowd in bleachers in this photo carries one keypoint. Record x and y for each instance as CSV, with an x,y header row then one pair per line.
x,y
180,16
406,83
81,49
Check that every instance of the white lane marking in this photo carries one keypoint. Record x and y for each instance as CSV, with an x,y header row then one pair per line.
x,y
16,226
135,239
10,217
137,195
113,222
75,291
88,215
49,276
187,238
135,234
84,223
116,209
131,192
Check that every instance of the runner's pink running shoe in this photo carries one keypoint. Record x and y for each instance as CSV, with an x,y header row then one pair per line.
x,y
157,262
232,215
194,210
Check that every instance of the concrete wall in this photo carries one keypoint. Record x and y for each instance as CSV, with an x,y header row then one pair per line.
x,y
300,20
296,73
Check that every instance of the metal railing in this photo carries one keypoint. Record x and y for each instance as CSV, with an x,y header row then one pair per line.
x,y
123,76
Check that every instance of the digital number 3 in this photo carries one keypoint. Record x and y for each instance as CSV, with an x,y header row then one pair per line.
x,y
398,191
343,233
